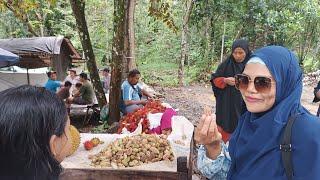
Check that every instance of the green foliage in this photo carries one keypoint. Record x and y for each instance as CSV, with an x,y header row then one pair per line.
x,y
311,64
155,39
11,26
100,28
160,11
101,128
156,73
294,24
46,17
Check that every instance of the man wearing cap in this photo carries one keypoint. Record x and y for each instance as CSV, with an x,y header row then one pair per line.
x,y
52,83
106,79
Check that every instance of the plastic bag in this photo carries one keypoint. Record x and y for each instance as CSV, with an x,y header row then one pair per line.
x,y
104,113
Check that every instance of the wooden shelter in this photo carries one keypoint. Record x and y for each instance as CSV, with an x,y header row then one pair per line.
x,y
56,52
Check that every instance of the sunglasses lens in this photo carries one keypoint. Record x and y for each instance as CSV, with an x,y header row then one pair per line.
x,y
262,84
242,81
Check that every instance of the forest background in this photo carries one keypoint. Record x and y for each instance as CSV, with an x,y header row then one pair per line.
x,y
172,42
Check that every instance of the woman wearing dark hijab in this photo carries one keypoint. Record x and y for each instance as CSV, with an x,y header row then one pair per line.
x,y
317,97
229,103
271,86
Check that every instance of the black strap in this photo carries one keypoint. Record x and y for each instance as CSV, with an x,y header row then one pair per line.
x,y
286,148
137,90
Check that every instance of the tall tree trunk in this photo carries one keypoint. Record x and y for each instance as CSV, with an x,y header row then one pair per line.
x,y
184,42
129,44
78,8
117,59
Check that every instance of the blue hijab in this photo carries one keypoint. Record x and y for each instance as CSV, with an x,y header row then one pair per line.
x,y
254,146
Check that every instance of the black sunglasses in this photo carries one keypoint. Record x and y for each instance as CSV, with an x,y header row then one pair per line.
x,y
261,84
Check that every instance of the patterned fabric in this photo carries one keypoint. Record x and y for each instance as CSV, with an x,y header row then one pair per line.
x,y
214,169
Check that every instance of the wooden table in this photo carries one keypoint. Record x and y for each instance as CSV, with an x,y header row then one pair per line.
x,y
184,172
181,169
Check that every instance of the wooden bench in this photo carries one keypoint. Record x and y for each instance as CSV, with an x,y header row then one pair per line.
x,y
85,110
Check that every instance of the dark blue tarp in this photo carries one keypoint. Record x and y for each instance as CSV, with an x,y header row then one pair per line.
x,y
7,58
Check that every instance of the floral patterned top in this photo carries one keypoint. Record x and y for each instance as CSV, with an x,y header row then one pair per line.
x,y
214,169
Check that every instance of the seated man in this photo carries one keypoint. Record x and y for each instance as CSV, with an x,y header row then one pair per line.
x,y
52,83
131,93
76,90
64,92
85,93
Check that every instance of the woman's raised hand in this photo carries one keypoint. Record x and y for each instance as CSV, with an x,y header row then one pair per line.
x,y
207,132
230,81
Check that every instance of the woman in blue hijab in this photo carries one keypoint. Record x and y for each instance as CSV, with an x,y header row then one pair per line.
x,y
271,86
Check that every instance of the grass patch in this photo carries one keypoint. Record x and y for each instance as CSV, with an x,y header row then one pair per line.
x,y
166,74
310,64
162,74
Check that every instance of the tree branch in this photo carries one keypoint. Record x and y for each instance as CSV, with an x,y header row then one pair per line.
x,y
24,18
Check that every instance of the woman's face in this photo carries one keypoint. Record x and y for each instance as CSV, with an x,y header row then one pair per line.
x,y
60,146
256,101
239,54
72,73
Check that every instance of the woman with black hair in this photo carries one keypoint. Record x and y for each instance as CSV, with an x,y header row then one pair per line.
x,y
229,103
34,133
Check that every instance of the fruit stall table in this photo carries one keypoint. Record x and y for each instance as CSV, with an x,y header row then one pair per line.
x,y
78,166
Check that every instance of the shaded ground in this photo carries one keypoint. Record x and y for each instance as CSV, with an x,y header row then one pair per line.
x,y
189,100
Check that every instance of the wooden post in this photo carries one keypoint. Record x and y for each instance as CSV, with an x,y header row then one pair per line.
x,y
28,78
